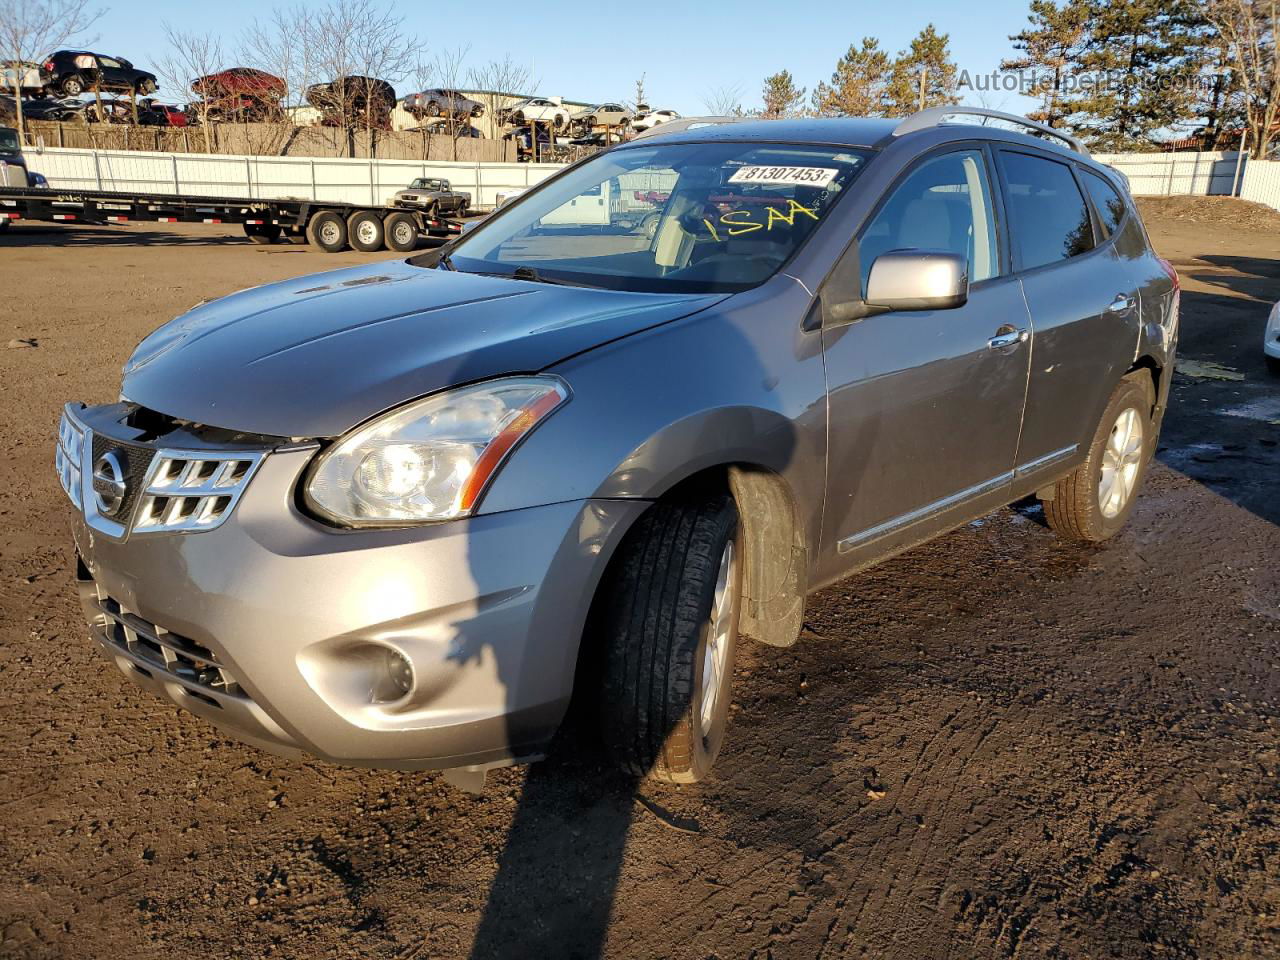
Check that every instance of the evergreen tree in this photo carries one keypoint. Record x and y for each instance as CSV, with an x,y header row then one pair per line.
x,y
1050,47
781,96
1136,53
857,85
923,76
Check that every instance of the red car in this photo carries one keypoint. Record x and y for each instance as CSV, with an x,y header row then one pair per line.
x,y
241,92
161,114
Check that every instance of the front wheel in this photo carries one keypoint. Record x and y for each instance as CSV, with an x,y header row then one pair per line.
x,y
667,623
72,87
1093,503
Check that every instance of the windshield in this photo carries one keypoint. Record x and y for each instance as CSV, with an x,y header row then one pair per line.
x,y
8,140
693,218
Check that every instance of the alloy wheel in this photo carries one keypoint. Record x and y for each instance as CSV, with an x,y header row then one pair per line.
x,y
715,659
1121,461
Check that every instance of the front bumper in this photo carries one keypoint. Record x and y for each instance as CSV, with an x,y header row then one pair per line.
x,y
271,625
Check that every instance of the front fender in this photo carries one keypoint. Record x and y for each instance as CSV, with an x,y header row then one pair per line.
x,y
740,383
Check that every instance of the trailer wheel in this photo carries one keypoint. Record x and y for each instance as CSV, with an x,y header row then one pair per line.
x,y
328,231
264,233
364,228
401,232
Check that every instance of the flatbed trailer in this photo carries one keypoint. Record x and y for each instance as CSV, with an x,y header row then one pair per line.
x,y
332,226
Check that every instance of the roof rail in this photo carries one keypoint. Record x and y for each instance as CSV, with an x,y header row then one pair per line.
x,y
687,123
935,116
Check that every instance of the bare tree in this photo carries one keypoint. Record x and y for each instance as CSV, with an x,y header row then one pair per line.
x,y
31,29
280,45
1250,31
724,101
191,56
447,67
360,45
640,101
497,80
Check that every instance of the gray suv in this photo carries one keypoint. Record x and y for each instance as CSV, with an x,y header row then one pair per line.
x,y
397,515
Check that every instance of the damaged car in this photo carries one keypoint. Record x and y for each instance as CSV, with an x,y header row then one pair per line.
x,y
402,514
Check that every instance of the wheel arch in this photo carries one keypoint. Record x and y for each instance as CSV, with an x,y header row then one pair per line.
x,y
775,548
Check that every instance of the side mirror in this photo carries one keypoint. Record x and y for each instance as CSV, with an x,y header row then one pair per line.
x,y
918,280
909,280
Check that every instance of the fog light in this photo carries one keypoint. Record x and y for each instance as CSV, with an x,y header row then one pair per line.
x,y
399,679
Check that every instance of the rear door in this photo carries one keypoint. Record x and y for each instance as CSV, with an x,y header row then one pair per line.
x,y
924,406
1083,301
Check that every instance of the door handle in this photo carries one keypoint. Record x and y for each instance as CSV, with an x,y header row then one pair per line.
x,y
1121,304
1010,337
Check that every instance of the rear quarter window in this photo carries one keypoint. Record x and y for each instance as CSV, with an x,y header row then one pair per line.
x,y
1106,201
1048,218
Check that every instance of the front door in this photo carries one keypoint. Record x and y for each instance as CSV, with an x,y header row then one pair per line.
x,y
925,406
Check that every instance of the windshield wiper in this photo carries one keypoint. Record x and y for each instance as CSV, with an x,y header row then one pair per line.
x,y
532,275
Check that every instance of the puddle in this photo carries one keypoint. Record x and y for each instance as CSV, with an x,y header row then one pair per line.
x,y
1207,370
1266,409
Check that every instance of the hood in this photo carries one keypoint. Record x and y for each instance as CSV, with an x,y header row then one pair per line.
x,y
314,356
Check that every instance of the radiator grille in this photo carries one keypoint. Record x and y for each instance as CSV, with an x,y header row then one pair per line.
x,y
169,652
166,490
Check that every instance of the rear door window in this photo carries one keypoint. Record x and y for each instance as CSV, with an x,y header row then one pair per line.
x,y
1048,218
1107,202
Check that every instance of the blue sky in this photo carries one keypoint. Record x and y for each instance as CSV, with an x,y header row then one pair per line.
x,y
596,51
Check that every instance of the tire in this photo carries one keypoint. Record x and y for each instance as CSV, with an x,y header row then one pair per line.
x,y
72,86
1091,505
365,231
328,231
433,109
674,588
263,233
401,231
1273,365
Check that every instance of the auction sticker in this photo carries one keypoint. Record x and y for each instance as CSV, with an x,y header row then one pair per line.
x,y
800,176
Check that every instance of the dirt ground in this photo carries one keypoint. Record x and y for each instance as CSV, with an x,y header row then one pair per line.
x,y
998,745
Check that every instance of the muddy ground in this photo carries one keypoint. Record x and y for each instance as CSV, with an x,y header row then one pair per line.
x,y
998,745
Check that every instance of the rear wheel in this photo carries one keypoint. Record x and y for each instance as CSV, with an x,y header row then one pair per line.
x,y
328,231
264,233
1093,503
667,621
365,231
401,231
72,87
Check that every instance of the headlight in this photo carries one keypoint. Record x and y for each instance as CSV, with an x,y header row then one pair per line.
x,y
431,459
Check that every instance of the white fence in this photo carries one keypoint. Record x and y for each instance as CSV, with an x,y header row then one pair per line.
x,y
1216,173
318,178
374,181
1261,182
